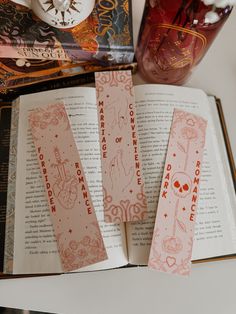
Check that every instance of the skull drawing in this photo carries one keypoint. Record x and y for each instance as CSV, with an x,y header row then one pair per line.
x,y
181,184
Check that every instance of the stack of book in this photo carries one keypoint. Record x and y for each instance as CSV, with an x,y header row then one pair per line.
x,y
32,51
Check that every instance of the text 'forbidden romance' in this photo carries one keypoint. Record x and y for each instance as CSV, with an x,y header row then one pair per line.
x,y
74,220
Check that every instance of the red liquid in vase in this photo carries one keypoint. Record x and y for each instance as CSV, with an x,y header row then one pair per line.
x,y
174,37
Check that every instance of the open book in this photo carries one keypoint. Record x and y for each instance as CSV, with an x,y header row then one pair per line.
x,y
30,246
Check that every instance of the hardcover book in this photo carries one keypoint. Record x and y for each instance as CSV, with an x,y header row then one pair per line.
x,y
19,76
30,245
104,36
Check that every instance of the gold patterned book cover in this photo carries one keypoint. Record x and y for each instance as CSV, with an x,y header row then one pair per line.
x,y
55,30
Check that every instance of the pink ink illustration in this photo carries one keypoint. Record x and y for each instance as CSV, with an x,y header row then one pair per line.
x,y
42,118
116,107
171,247
117,111
189,129
120,177
181,184
84,252
76,229
65,187
121,165
125,210
173,244
169,263
114,79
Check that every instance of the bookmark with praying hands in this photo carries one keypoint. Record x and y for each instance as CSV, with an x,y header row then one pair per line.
x,y
123,189
172,242
77,232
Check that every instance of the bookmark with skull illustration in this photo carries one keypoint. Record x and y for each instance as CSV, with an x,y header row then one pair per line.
x,y
171,248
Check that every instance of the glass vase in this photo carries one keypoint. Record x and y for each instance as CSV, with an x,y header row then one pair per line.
x,y
174,37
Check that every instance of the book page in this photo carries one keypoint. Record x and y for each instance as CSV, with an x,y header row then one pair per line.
x,y
213,237
35,249
5,123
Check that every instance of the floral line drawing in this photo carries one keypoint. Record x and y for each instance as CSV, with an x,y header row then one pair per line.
x,y
169,263
52,115
113,78
194,128
125,210
89,250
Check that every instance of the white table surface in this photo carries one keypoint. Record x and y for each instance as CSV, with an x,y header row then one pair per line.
x,y
211,286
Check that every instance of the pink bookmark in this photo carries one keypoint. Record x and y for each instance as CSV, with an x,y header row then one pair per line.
x,y
79,239
124,198
172,242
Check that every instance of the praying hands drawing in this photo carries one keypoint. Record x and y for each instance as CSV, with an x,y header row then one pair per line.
x,y
118,111
120,177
